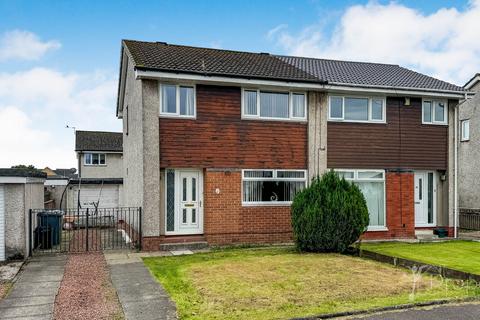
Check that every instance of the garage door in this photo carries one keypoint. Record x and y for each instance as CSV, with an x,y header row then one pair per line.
x,y
2,223
106,196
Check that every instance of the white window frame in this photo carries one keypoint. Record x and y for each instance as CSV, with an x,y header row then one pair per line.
x,y
445,112
370,98
356,178
177,100
274,178
91,164
463,136
290,104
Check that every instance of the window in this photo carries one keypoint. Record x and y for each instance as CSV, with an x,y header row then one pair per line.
x,y
95,159
356,109
465,130
434,112
273,105
177,100
272,186
372,185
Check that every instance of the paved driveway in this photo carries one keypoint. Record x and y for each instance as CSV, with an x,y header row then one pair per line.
x,y
469,311
33,294
141,296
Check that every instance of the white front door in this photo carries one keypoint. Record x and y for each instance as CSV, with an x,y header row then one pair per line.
x,y
425,199
189,203
184,196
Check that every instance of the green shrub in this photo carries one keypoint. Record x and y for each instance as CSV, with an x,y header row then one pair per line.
x,y
329,215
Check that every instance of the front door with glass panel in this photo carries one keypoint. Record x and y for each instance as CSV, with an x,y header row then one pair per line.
x,y
425,191
184,202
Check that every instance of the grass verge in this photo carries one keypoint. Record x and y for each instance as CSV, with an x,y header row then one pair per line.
x,y
458,255
5,288
279,283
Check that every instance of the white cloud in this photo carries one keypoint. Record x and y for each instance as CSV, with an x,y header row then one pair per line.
x,y
36,104
442,44
24,45
21,143
272,32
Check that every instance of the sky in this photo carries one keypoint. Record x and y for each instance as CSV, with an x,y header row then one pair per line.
x,y
59,60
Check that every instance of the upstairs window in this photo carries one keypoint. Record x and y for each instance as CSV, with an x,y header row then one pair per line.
x,y
271,187
95,159
465,126
273,105
177,100
356,109
434,111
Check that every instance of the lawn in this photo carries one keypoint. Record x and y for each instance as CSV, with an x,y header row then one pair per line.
x,y
458,255
279,283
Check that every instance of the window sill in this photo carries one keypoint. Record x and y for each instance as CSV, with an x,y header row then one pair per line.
x,y
95,165
357,121
466,140
370,229
275,119
435,124
173,116
266,204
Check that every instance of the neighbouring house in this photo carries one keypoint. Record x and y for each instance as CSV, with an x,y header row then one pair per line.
x,y
100,170
469,149
217,142
20,191
56,185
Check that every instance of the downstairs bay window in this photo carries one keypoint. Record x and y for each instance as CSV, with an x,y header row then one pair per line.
x,y
372,185
271,187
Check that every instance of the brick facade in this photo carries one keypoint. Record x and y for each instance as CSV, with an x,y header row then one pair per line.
x,y
400,207
226,221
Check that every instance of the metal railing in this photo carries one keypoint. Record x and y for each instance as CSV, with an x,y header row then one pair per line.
x,y
85,229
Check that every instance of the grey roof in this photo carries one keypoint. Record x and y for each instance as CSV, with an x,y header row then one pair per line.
x,y
98,141
195,60
167,57
368,74
14,172
66,173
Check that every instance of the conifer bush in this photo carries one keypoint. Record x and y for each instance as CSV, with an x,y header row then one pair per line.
x,y
329,215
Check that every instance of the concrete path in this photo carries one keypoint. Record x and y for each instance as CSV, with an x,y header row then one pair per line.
x,y
467,311
33,293
141,296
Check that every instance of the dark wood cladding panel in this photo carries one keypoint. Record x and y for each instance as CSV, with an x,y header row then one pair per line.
x,y
219,138
403,142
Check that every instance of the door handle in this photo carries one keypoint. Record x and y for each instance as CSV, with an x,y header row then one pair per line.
x,y
417,202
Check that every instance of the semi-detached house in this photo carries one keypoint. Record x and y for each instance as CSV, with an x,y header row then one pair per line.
x,y
216,143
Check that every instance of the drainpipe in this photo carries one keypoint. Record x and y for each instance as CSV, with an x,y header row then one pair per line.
x,y
455,194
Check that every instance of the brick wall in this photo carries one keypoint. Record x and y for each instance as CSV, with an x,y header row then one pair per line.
x,y
400,207
227,222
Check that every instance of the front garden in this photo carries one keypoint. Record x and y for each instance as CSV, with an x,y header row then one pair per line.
x,y
280,283
458,255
